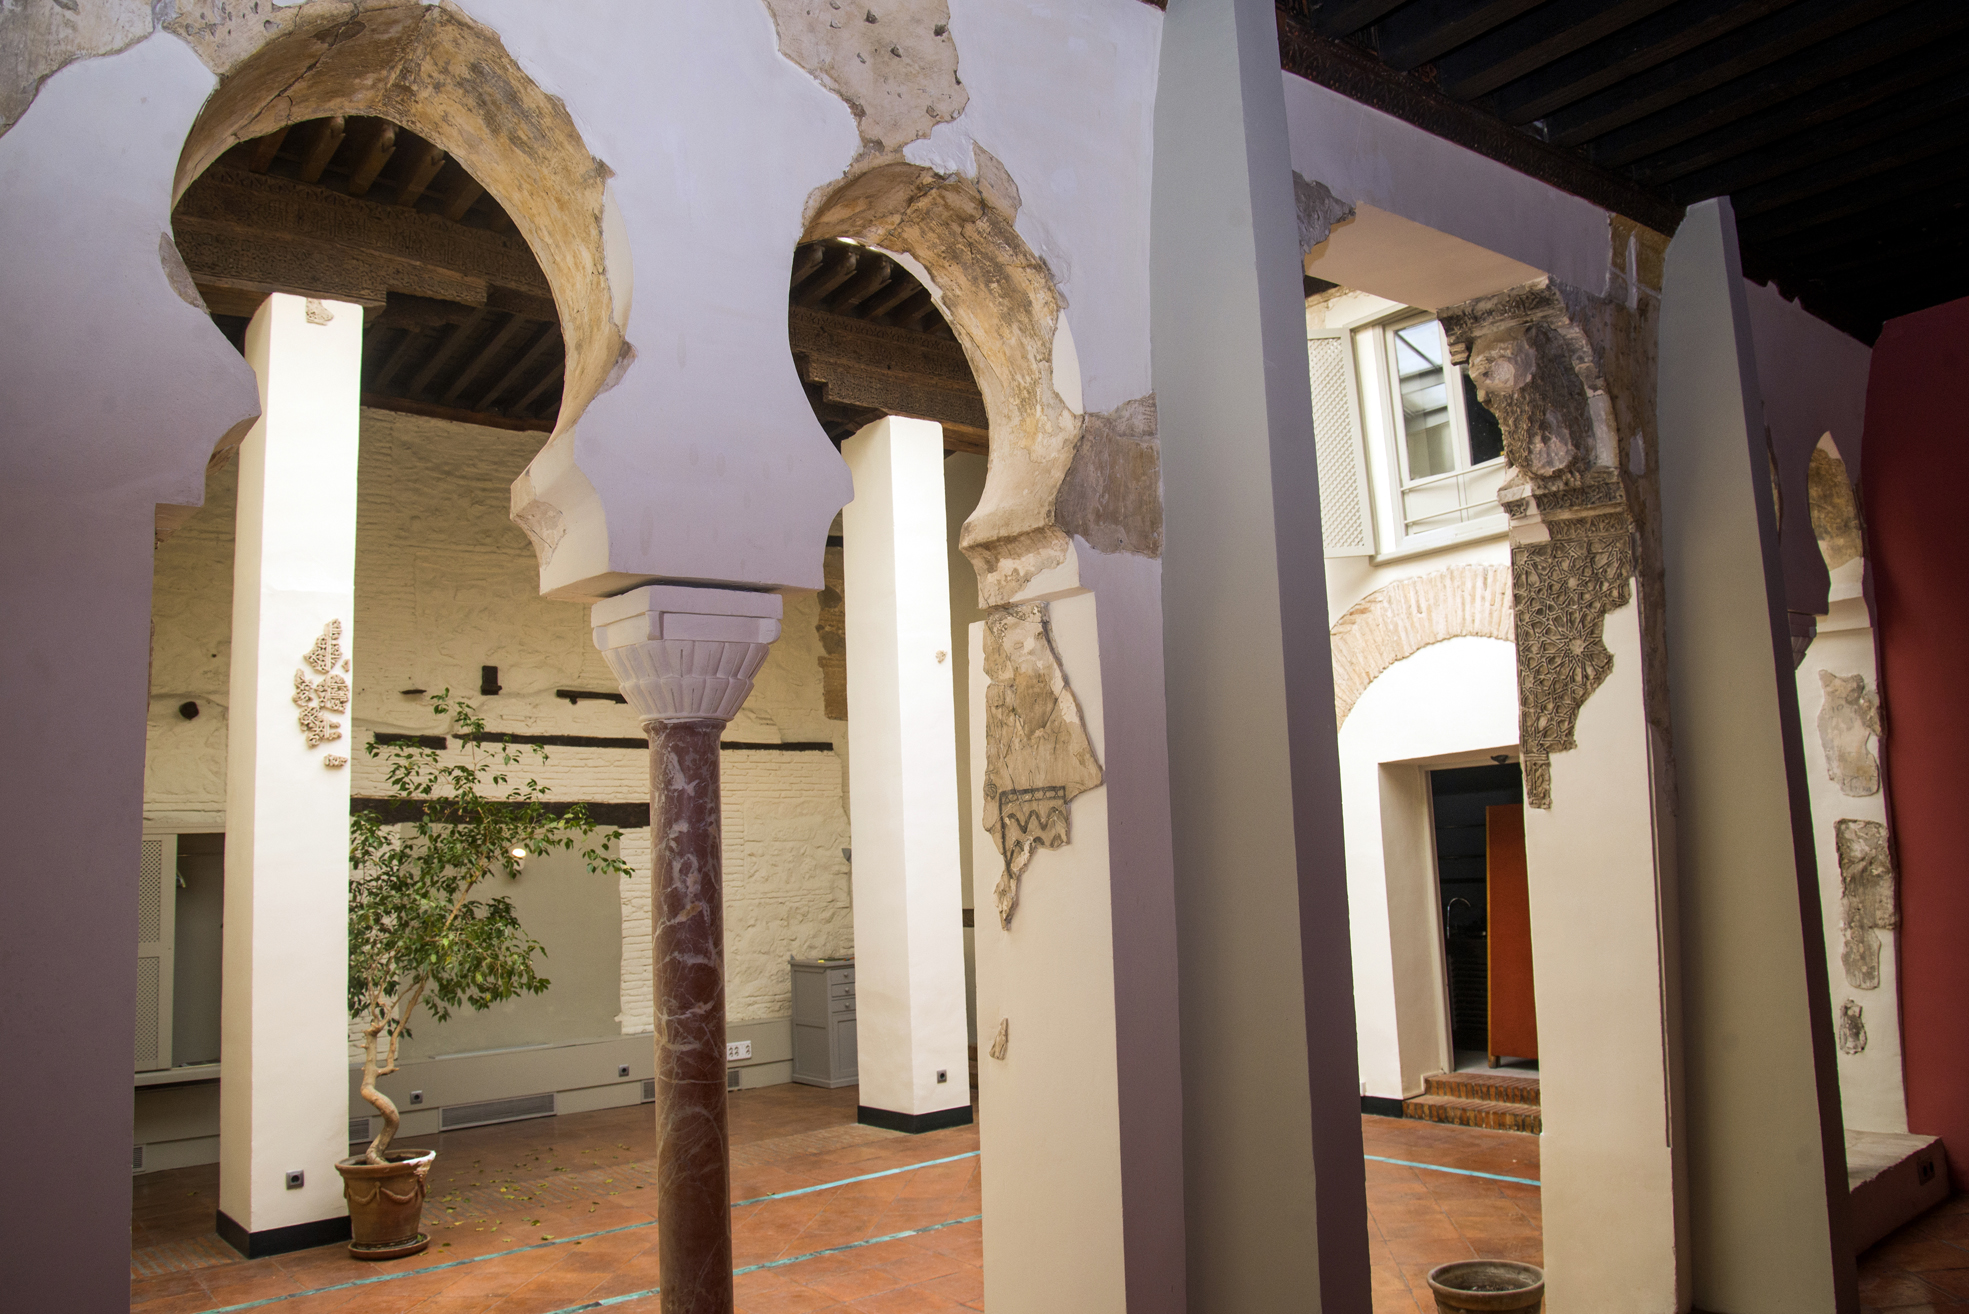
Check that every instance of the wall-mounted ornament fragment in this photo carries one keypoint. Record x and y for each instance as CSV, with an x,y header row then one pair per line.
x,y
1849,723
1003,1040
330,693
1851,1028
333,762
1866,898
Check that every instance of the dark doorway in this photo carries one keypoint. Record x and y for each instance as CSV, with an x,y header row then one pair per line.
x,y
1460,798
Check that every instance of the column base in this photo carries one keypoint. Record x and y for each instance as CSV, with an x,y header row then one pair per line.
x,y
913,1123
282,1240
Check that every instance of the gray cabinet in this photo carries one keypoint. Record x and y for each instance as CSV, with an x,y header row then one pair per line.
x,y
824,1022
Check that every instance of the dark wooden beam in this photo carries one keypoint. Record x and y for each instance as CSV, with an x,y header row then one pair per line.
x,y
1624,54
420,382
551,376
1882,190
874,275
888,370
1551,31
424,166
1424,29
327,140
400,356
1792,29
1876,44
1358,75
464,195
1843,172
265,148
376,153
1338,18
548,339
495,344
1822,108
841,261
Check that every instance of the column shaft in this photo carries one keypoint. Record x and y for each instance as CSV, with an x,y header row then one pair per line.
x,y
688,911
283,1094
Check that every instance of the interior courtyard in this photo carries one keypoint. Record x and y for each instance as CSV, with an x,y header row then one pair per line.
x,y
1119,656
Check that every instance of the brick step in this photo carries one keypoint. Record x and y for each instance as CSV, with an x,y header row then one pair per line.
x,y
1495,1115
1495,1087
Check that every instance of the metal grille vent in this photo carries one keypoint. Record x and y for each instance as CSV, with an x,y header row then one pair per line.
x,y
1345,518
485,1112
148,982
150,893
136,1158
359,1130
649,1090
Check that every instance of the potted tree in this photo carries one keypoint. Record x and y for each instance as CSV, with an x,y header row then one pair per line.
x,y
421,932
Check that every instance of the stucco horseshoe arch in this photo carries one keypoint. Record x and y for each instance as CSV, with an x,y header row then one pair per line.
x,y
450,80
1000,300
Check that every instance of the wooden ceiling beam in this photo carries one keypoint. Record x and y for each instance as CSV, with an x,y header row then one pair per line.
x,y
486,355
1338,18
464,195
1622,55
1551,31
863,285
841,262
549,336
424,166
265,148
1423,30
375,154
327,140
420,382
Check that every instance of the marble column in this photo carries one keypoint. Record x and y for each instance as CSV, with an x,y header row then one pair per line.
x,y
685,658
283,1090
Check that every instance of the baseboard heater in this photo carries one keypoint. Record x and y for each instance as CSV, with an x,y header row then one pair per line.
x,y
486,1112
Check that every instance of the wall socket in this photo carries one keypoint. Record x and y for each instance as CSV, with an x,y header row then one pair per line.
x,y
737,1049
943,1075
622,1069
296,1179
416,1097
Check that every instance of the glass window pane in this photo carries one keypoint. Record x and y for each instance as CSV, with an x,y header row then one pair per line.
x,y
1486,436
1424,396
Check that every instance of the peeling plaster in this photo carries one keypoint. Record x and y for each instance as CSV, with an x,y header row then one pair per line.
x,y
1319,209
1038,756
1112,495
1866,898
893,62
1849,727
39,38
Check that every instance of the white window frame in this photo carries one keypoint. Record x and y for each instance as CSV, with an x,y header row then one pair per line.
x,y
1386,456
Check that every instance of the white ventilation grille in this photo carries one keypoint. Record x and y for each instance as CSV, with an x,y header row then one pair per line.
x,y
487,1112
136,1158
649,1090
149,978
1346,512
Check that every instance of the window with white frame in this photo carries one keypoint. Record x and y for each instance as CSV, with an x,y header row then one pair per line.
x,y
1409,459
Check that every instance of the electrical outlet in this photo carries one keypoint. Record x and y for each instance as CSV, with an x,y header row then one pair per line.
x,y
737,1049
943,1075
416,1097
622,1069
296,1179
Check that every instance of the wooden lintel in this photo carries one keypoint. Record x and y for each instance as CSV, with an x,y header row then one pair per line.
x,y
268,262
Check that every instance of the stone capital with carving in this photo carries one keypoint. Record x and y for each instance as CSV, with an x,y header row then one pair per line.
x,y
686,654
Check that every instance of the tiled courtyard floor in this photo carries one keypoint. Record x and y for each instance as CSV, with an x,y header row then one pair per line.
x,y
555,1214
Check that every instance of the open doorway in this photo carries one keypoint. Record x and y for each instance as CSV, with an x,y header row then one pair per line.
x,y
1480,877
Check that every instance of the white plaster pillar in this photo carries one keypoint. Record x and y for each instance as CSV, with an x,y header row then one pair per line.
x,y
902,782
283,1093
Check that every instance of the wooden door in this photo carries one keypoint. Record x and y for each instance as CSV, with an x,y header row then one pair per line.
x,y
1513,1015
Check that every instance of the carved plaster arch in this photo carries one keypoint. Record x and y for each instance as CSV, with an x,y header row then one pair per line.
x,y
1407,616
433,70
1000,300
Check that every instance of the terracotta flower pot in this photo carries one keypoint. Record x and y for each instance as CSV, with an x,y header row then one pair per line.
x,y
1485,1286
386,1202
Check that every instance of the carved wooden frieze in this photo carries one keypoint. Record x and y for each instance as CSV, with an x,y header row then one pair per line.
x,y
1037,753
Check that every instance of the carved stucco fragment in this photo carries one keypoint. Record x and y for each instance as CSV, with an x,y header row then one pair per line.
x,y
1849,725
1835,512
1038,757
831,627
894,64
1866,898
1319,209
1112,494
1851,1027
1001,1041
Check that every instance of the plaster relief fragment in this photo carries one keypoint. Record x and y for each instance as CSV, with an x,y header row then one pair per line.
x,y
1835,513
1866,898
1002,1042
1112,495
1319,209
1563,589
318,697
1038,757
895,66
1849,723
1851,1028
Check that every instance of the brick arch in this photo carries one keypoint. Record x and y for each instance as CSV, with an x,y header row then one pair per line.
x,y
1410,614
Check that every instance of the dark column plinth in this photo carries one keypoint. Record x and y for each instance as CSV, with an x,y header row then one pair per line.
x,y
687,907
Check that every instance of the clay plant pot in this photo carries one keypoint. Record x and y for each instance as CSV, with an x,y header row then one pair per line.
x,y
386,1202
1485,1286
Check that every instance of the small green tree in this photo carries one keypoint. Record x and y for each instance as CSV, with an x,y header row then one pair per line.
x,y
416,933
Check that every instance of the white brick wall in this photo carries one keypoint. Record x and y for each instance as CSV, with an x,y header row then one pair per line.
x,y
445,584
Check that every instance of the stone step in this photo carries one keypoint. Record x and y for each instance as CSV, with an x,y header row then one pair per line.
x,y
1496,1087
1494,1115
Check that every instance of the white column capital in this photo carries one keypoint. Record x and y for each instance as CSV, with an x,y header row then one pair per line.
x,y
683,653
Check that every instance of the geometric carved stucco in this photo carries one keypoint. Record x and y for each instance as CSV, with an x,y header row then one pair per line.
x,y
1037,753
1569,377
1848,724
1835,511
1850,1029
1407,616
1866,898
326,690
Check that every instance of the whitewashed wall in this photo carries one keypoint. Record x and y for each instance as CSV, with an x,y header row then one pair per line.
x,y
446,584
